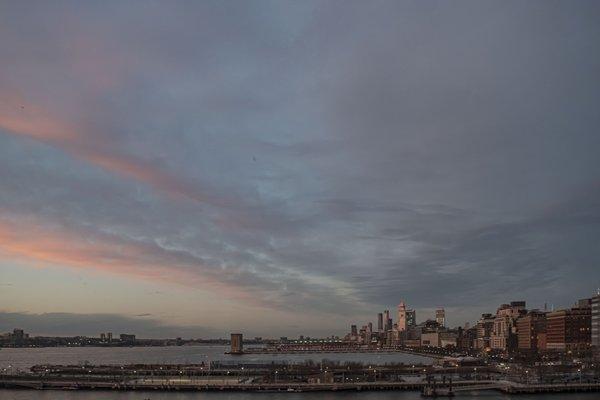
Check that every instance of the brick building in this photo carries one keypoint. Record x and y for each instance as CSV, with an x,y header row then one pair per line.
x,y
531,331
570,329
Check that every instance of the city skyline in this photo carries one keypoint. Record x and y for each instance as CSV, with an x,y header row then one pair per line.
x,y
405,322
217,167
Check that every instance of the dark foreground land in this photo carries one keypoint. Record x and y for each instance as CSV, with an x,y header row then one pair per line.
x,y
177,384
308,377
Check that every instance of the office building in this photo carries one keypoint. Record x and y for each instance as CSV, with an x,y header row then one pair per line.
x,y
380,322
411,318
440,317
484,327
387,321
504,334
596,322
570,329
531,331
401,317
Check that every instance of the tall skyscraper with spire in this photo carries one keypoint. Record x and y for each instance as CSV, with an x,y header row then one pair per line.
x,y
401,316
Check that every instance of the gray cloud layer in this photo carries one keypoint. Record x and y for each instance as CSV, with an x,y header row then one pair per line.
x,y
321,157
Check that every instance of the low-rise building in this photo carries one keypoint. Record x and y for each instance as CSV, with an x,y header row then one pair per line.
x,y
448,339
430,339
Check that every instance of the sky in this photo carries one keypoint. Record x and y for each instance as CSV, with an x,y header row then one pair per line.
x,y
192,168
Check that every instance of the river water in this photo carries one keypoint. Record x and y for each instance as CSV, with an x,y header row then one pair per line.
x,y
26,357
14,359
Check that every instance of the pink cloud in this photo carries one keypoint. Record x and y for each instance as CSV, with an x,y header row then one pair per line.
x,y
30,241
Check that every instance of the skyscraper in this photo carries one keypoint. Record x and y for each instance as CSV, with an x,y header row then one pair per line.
x,y
411,318
386,320
440,317
380,322
401,316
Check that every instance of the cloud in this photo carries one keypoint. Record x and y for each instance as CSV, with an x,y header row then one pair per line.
x,y
31,120
533,259
443,154
113,254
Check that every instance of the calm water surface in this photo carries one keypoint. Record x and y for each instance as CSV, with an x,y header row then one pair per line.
x,y
25,358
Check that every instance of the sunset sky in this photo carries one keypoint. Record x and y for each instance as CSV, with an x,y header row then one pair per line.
x,y
189,168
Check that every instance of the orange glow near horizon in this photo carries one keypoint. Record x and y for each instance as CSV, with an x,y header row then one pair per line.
x,y
105,254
